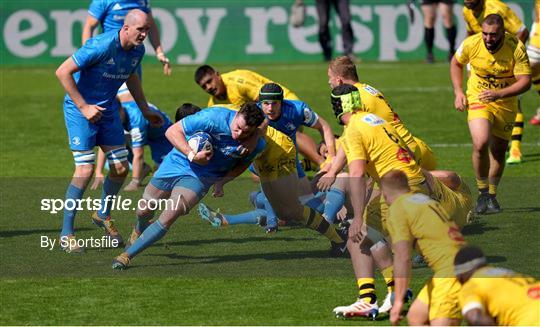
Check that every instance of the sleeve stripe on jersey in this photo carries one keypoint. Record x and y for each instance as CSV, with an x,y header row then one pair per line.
x,y
471,306
75,60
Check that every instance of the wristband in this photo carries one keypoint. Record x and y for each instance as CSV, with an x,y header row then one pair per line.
x,y
191,155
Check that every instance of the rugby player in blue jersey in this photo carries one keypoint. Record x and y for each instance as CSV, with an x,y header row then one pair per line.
x,y
110,15
91,78
185,176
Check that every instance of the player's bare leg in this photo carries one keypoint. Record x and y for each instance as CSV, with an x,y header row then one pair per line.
x,y
480,130
418,314
282,193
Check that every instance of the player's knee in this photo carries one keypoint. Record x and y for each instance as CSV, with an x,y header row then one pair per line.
x,y
118,161
84,171
480,145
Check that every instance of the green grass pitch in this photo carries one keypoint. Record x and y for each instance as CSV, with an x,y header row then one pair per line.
x,y
237,275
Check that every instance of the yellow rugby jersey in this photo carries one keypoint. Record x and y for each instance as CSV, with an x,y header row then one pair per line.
x,y
492,70
510,298
369,137
416,218
243,86
374,102
278,159
512,23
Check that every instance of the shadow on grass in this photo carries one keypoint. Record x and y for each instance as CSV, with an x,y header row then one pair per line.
x,y
24,232
319,254
523,210
477,228
243,240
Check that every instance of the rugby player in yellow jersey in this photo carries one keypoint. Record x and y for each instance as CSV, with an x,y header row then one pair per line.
x,y
342,70
499,72
474,12
495,296
533,51
415,220
241,86
372,147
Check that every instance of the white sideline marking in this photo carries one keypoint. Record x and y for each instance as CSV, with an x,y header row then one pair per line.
x,y
468,145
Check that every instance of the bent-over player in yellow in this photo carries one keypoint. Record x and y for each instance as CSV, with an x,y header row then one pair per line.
x,y
495,296
415,220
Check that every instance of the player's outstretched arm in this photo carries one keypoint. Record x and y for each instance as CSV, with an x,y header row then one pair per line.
x,y
327,134
88,29
456,75
402,275
156,44
357,185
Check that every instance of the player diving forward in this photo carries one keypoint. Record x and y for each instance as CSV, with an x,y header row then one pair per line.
x,y
185,176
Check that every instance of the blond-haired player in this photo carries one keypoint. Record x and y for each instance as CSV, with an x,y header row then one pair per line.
x,y
342,70
474,13
495,296
499,72
415,220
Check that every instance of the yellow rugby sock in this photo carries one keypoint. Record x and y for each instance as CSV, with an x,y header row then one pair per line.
x,y
482,185
517,132
388,274
492,189
315,221
366,289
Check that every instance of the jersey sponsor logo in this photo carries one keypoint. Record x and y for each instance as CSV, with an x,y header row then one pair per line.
x,y
115,76
373,120
371,90
110,62
119,17
117,7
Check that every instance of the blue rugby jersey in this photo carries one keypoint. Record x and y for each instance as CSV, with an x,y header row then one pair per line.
x,y
104,66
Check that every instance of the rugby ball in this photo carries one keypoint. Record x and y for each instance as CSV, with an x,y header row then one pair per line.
x,y
200,141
